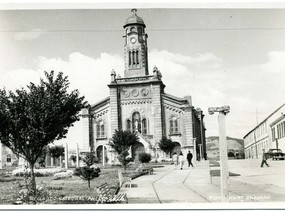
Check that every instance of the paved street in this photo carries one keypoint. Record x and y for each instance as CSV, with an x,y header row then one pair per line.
x,y
194,185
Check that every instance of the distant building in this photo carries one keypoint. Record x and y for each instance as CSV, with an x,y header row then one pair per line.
x,y
7,157
268,134
138,103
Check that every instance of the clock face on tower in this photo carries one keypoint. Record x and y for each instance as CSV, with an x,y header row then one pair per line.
x,y
133,40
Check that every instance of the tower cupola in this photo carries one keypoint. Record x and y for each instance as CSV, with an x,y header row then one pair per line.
x,y
135,50
134,19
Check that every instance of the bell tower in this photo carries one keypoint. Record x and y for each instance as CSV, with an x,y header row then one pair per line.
x,y
135,50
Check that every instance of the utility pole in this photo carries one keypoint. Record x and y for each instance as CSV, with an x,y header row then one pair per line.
x,y
223,149
103,156
77,155
66,156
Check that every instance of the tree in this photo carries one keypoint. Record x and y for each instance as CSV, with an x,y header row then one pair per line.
x,y
124,159
166,144
87,172
89,159
144,157
73,158
121,142
42,159
56,151
34,117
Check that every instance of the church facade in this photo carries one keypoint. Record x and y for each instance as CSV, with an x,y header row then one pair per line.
x,y
138,103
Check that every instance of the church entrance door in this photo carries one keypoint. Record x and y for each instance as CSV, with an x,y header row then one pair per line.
x,y
99,153
136,150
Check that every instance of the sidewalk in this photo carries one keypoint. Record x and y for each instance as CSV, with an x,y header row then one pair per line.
x,y
170,185
194,185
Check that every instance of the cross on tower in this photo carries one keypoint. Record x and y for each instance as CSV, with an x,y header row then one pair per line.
x,y
134,11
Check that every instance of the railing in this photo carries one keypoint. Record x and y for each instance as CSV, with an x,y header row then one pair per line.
x,y
134,79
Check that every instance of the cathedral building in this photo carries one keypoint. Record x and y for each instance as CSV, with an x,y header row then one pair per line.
x,y
138,103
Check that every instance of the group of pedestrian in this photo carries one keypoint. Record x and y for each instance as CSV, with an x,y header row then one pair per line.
x,y
179,159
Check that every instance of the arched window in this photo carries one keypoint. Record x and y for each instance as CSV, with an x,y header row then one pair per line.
x,y
173,125
100,129
139,31
136,122
140,34
133,29
134,59
130,58
144,127
137,57
129,125
176,126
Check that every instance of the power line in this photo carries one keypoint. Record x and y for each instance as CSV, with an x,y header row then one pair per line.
x,y
149,30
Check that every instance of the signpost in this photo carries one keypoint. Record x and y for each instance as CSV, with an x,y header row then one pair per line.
x,y
223,149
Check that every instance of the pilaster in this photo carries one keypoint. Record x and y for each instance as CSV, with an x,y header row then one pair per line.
x,y
85,123
157,112
188,126
114,112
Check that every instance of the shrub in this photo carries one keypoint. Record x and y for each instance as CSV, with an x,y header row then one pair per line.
x,y
87,173
166,144
124,159
121,142
73,158
38,172
89,159
144,157
62,175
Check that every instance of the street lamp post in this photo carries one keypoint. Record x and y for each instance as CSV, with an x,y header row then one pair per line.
x,y
223,149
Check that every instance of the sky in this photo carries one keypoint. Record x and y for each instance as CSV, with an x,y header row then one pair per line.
x,y
220,57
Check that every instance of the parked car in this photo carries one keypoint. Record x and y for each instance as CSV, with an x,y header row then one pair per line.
x,y
275,154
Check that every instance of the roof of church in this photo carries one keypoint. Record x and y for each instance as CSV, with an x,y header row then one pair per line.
x,y
134,19
102,102
175,98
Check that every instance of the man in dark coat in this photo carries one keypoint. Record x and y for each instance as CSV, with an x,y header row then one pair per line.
x,y
189,158
264,158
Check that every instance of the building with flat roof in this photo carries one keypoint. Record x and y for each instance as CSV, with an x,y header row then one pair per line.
x,y
268,134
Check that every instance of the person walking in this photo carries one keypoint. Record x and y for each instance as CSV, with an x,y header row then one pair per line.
x,y
189,159
264,158
175,159
181,160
